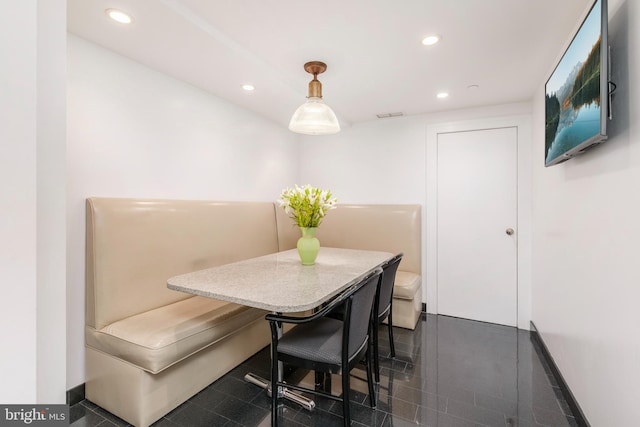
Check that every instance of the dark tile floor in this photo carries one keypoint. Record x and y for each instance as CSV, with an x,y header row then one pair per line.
x,y
448,372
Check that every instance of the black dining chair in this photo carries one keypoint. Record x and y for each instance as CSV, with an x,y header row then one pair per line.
x,y
383,308
328,345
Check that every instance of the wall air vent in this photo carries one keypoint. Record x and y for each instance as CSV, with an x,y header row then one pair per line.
x,y
386,115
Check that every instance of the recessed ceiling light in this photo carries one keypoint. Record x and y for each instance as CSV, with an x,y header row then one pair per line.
x,y
431,40
442,95
248,87
119,16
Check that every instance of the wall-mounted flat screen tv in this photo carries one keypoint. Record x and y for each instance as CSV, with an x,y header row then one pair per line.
x,y
577,93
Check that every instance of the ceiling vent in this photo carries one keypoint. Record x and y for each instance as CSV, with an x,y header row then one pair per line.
x,y
386,115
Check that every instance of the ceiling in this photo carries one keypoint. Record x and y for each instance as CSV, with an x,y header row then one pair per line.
x,y
376,63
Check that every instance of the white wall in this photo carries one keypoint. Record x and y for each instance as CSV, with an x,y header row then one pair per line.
x,y
586,214
382,161
18,203
134,132
373,162
51,201
32,109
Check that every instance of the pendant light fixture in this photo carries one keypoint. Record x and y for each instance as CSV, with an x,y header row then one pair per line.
x,y
314,117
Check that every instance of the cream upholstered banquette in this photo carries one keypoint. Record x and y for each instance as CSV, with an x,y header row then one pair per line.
x,y
148,348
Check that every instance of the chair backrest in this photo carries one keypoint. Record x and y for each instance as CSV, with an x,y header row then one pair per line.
x,y
385,293
358,312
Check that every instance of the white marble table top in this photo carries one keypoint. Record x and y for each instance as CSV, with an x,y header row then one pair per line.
x,y
279,282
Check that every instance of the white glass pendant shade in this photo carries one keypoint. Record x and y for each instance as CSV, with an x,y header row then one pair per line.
x,y
314,117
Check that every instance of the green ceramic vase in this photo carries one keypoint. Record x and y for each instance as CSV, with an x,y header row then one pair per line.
x,y
308,245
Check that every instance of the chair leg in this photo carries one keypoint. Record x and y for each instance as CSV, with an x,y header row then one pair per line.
x,y
390,324
376,353
372,393
346,409
274,385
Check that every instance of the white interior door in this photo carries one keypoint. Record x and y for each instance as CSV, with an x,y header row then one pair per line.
x,y
476,225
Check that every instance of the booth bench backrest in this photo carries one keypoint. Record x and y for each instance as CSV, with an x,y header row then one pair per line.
x,y
388,228
135,245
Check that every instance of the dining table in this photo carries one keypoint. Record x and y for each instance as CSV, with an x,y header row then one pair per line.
x,y
280,283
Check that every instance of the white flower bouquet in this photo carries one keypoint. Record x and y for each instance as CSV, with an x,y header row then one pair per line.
x,y
307,205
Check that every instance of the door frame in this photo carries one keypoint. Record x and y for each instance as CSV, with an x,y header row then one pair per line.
x,y
522,123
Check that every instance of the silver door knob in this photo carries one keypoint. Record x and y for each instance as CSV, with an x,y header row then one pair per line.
x,y
509,231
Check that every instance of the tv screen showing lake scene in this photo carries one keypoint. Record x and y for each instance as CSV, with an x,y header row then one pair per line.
x,y
572,93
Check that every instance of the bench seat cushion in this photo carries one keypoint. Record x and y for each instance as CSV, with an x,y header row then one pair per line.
x,y
406,285
156,339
